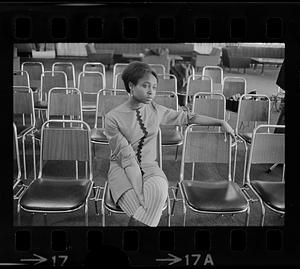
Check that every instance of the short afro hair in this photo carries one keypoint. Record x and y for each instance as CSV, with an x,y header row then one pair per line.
x,y
134,72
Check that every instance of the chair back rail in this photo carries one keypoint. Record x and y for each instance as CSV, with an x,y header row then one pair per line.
x,y
234,85
68,68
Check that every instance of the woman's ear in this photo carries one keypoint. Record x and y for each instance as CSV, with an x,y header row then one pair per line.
x,y
130,85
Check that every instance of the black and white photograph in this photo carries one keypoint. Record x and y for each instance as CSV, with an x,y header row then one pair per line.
x,y
149,134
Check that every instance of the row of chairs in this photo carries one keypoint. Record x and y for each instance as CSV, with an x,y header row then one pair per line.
x,y
69,140
253,109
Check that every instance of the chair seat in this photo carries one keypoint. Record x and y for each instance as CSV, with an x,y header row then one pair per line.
x,y
272,193
41,104
171,137
220,196
247,137
110,204
97,136
55,195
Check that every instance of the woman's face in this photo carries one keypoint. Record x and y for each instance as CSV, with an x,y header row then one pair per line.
x,y
145,89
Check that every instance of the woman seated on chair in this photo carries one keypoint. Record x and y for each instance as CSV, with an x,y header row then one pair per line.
x,y
138,185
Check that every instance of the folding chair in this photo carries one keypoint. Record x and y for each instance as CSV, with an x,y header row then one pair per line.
x,y
197,83
107,202
207,196
253,109
171,135
35,71
167,82
216,74
268,148
94,66
61,193
106,101
21,78
24,118
69,69
89,83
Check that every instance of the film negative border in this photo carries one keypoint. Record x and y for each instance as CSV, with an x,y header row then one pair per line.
x,y
194,246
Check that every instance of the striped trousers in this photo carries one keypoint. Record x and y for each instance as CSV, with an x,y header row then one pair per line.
x,y
155,193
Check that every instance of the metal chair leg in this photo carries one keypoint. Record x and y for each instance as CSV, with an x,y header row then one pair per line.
x,y
175,198
24,157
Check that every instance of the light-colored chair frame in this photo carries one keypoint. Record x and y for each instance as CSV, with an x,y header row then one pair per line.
x,y
22,75
88,169
167,82
220,81
65,66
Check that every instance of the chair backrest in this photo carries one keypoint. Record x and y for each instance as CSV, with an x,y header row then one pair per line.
x,y
94,66
69,69
159,149
234,85
209,104
16,153
167,82
205,147
119,84
168,99
157,60
266,147
198,83
90,82
34,70
64,103
253,108
107,100
21,78
67,144
23,106
52,79
216,74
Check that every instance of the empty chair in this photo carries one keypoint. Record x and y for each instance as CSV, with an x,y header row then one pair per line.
x,y
267,148
167,82
203,195
21,78
69,69
35,71
24,119
62,192
107,202
171,135
216,74
49,80
89,83
253,109
197,83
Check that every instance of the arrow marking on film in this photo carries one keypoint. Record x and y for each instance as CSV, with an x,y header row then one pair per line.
x,y
173,260
39,260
